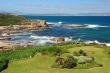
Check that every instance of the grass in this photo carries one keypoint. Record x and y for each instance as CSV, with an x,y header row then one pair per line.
x,y
31,51
42,63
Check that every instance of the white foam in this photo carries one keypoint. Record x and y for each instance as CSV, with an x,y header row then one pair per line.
x,y
94,26
97,42
41,37
47,39
68,39
60,22
42,42
107,44
55,23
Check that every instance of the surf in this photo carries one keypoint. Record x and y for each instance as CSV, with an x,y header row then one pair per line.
x,y
94,26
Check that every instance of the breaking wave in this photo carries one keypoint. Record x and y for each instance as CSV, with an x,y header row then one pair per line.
x,y
97,42
94,26
42,40
86,25
55,23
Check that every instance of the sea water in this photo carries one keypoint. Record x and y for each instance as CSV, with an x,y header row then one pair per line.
x,y
98,27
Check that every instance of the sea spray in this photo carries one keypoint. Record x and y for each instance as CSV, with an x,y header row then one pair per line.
x,y
49,39
94,26
55,23
97,42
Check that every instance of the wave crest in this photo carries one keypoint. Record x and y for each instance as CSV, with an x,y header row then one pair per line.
x,y
97,42
55,23
48,39
94,26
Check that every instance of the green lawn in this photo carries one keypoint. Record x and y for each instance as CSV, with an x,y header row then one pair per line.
x,y
42,63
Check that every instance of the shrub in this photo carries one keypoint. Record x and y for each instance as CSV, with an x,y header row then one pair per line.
x,y
58,62
70,62
76,53
78,60
82,52
51,51
3,63
100,65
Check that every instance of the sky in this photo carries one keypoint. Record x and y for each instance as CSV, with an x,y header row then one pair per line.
x,y
55,6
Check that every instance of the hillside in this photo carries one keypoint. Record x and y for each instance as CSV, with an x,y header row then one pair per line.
x,y
9,19
42,63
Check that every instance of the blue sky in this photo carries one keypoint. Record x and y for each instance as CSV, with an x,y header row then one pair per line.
x,y
55,6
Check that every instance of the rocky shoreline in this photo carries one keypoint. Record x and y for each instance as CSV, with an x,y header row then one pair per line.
x,y
12,30
6,33
35,25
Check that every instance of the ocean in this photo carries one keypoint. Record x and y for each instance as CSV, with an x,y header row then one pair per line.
x,y
98,28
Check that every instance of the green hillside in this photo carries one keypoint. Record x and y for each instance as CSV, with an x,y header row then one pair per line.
x,y
43,60
9,19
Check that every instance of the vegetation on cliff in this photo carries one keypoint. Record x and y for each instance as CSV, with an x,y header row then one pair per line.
x,y
9,19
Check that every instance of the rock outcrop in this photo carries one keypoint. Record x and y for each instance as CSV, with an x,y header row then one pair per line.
x,y
39,23
59,39
33,24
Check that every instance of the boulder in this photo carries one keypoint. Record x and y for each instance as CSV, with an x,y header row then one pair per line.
x,y
39,23
59,39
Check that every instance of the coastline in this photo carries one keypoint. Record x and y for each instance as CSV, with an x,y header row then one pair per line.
x,y
38,26
26,44
6,45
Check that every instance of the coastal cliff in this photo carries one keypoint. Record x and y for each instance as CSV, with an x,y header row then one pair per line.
x,y
9,24
9,21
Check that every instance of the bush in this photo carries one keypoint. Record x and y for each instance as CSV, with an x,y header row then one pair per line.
x,y
3,63
85,59
58,62
82,52
69,62
76,53
51,50
78,60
